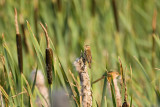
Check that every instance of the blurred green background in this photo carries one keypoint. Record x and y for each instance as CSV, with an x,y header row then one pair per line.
x,y
73,23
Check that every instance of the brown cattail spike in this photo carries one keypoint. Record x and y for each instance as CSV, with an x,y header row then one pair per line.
x,y
19,51
19,44
87,55
49,57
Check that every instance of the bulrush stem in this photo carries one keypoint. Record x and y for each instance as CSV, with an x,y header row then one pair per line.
x,y
153,40
125,104
114,7
19,52
93,7
59,4
16,21
19,44
24,38
80,65
117,92
49,57
46,34
121,71
154,21
36,18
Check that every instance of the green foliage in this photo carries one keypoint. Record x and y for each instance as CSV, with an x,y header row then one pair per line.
x,y
71,24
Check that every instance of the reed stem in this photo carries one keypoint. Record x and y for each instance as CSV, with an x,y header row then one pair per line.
x,y
19,44
24,38
153,40
19,52
114,7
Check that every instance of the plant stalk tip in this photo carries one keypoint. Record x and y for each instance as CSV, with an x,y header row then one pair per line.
x,y
46,34
16,21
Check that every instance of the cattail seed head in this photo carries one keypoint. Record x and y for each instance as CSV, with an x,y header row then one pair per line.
x,y
49,57
19,52
80,65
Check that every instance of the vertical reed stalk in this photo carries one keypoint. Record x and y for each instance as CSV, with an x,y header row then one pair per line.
x,y
80,65
125,104
36,18
114,7
153,40
24,38
49,58
19,44
59,4
93,7
104,90
19,52
121,71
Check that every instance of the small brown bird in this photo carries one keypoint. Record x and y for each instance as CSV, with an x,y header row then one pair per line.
x,y
87,55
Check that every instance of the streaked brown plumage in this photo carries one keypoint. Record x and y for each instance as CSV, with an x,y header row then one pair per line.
x,y
87,55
